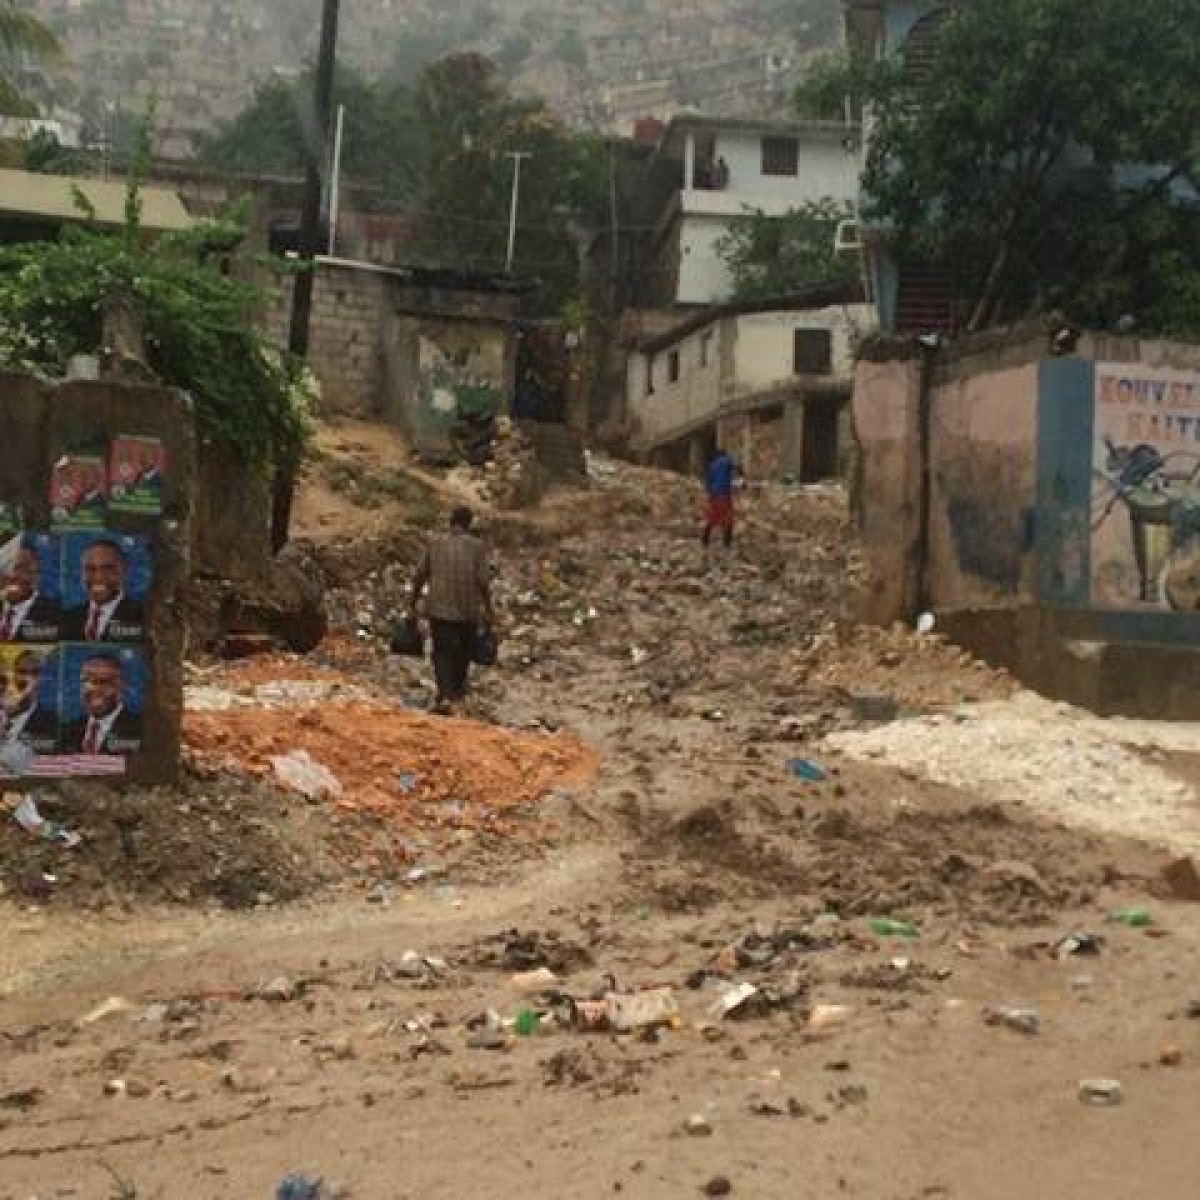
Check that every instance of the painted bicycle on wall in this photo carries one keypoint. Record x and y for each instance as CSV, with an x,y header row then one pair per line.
x,y
1161,494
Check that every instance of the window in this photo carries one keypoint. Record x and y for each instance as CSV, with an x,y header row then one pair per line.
x,y
780,156
812,352
673,367
649,374
706,349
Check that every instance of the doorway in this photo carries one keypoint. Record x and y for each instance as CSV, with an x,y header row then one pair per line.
x,y
819,459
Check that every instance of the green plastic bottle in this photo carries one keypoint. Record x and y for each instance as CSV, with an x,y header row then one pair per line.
x,y
887,927
527,1022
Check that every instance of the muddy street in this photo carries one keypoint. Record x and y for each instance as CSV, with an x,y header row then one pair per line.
x,y
713,893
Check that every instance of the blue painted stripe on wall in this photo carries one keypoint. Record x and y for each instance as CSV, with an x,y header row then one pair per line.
x,y
1066,433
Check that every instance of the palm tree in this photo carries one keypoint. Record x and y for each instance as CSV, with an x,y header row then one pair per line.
x,y
22,38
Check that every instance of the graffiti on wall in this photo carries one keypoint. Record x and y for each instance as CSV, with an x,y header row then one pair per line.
x,y
1146,493
461,372
74,668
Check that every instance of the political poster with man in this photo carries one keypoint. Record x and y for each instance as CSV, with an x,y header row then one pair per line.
x,y
30,588
79,492
30,679
106,581
137,470
103,693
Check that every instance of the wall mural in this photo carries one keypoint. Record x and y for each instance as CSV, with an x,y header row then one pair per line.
x,y
1146,494
74,671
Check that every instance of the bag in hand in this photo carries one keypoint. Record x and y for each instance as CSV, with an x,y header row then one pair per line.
x,y
408,640
485,648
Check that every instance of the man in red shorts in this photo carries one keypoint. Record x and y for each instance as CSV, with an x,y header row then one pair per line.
x,y
718,483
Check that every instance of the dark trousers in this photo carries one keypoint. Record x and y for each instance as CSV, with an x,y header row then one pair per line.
x,y
452,642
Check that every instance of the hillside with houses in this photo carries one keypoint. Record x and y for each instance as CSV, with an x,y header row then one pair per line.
x,y
602,67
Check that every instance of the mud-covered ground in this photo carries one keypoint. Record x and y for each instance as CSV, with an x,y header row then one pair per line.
x,y
233,982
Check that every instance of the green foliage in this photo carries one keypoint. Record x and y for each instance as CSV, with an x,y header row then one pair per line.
x,y
22,36
472,122
200,324
1005,165
835,82
769,257
381,147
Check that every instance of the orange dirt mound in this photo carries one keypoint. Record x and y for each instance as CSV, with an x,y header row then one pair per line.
x,y
396,763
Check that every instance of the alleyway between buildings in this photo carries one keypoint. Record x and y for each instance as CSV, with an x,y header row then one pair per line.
x,y
898,911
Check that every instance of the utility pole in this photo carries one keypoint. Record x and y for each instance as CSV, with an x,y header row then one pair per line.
x,y
518,157
335,185
316,153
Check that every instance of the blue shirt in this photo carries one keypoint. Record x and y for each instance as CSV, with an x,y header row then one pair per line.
x,y
719,479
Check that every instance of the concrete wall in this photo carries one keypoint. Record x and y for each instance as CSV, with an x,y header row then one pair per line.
x,y
702,276
984,486
382,344
344,351
89,422
887,499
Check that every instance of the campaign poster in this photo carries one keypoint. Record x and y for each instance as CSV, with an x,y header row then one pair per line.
x,y
31,589
107,579
79,492
29,676
102,699
12,519
137,469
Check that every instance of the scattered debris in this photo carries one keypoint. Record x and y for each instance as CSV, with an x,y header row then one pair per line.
x,y
1135,918
300,772
1019,1020
1101,1092
698,1126
1078,944
718,1185
806,770
887,927
114,1006
26,815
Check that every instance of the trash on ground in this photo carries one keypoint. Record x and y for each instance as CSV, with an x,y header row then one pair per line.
x,y
26,815
735,1000
887,927
1101,1092
531,983
630,1011
1019,1020
114,1006
697,1126
299,771
825,1017
1170,1056
301,1187
807,770
1135,918
1078,944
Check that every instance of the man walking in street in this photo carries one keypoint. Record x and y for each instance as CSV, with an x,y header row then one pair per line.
x,y
718,484
457,571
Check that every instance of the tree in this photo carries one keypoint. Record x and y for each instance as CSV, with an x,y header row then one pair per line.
x,y
472,123
1006,162
22,38
382,146
768,257
199,323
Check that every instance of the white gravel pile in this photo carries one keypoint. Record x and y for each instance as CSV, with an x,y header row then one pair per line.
x,y
1059,761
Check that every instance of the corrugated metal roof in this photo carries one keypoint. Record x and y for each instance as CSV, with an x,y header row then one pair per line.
x,y
52,198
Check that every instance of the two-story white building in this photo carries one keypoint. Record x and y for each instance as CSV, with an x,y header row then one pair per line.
x,y
726,168
769,381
